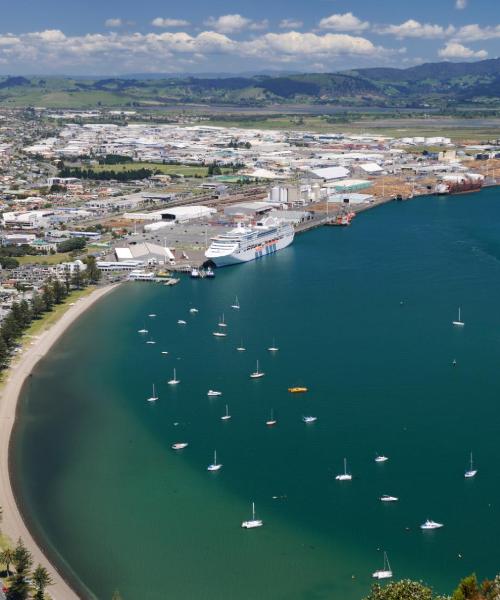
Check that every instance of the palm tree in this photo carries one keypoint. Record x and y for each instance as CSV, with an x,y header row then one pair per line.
x,y
6,558
41,579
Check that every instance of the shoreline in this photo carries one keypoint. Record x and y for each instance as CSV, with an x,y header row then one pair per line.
x,y
13,524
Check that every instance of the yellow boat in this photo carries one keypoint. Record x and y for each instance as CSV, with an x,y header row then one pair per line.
x,y
297,390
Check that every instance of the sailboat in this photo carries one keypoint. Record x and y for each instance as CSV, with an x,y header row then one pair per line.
x,y
345,476
471,472
271,421
273,348
215,466
257,374
227,416
154,397
253,521
152,315
150,342
174,380
181,322
222,322
388,498
385,572
193,310
459,322
241,348
143,330
236,304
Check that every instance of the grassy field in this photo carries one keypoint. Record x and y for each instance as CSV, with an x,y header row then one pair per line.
x,y
391,128
44,259
184,170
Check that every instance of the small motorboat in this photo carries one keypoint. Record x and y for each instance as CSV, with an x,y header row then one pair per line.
x,y
193,310
380,458
309,419
209,273
164,352
150,342
195,273
181,322
214,393
179,446
429,524
387,498
152,315
297,390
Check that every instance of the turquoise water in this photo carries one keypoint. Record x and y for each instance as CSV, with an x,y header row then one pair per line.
x,y
362,316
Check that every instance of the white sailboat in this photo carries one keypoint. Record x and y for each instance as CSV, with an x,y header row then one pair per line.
x,y
345,476
253,521
222,322
241,347
385,572
193,310
152,315
154,397
215,466
387,498
174,380
181,322
471,472
459,322
257,374
430,524
226,416
143,330
236,304
273,348
271,421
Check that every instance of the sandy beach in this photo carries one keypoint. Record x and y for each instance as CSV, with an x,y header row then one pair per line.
x,y
12,523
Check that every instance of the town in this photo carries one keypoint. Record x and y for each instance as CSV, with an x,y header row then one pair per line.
x,y
116,195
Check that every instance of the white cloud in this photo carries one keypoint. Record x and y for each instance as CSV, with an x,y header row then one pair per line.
x,y
167,23
455,50
460,4
291,24
114,23
415,29
473,33
235,23
344,22
51,51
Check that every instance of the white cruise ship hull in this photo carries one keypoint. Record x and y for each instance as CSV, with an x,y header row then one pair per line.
x,y
238,256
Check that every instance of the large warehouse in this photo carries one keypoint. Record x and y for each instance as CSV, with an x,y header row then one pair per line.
x,y
176,214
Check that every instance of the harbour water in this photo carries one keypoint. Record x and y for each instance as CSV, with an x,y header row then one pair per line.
x,y
363,318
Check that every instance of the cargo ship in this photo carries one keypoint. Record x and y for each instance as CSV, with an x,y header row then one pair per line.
x,y
460,184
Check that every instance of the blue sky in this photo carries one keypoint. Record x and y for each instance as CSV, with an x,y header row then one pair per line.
x,y
107,37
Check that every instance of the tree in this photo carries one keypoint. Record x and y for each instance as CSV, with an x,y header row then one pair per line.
x,y
7,262
41,579
58,291
67,282
4,353
22,558
77,279
467,589
400,590
93,273
18,589
7,558
25,313
47,297
10,329
77,243
37,305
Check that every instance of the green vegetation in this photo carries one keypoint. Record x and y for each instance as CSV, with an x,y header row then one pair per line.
x,y
43,259
447,86
468,589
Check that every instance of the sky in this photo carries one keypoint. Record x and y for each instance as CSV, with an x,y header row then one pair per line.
x,y
119,37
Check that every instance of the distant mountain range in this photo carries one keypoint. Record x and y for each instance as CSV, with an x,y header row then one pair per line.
x,y
429,85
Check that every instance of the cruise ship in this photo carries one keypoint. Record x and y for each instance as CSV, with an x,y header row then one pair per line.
x,y
243,244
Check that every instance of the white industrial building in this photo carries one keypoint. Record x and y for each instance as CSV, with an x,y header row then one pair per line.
x,y
176,214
